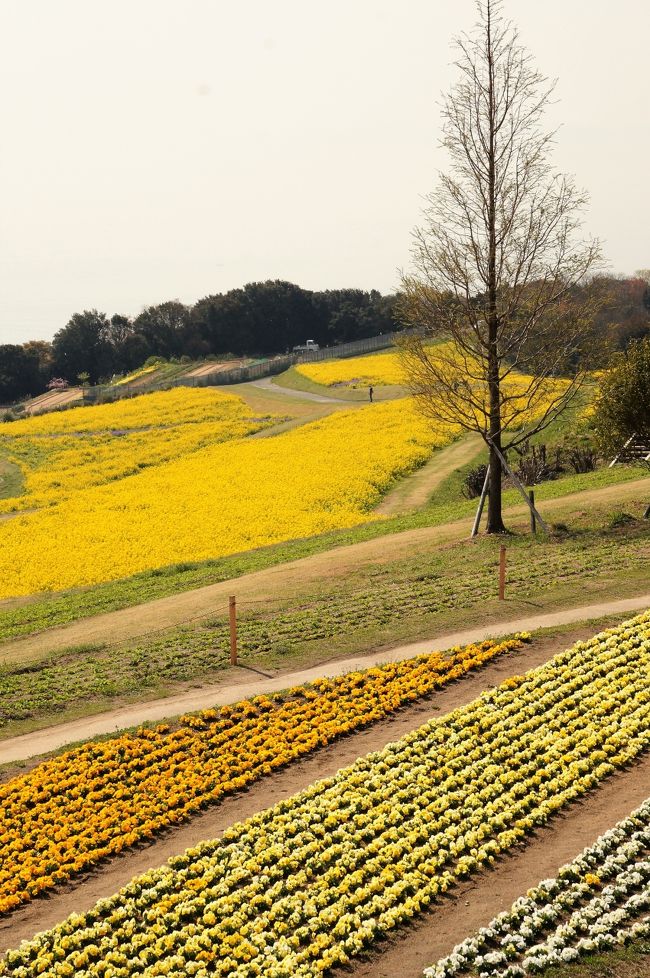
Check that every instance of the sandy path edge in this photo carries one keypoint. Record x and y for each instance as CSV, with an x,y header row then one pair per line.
x,y
288,578
51,738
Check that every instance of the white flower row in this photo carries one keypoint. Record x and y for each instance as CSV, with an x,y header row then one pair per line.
x,y
311,882
598,901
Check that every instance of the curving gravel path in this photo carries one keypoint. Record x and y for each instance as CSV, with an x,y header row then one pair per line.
x,y
267,384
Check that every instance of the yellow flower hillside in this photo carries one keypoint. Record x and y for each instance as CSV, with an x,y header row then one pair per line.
x,y
60,454
378,369
135,375
219,500
386,369
181,405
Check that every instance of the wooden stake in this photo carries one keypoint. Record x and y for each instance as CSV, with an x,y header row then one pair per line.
x,y
502,573
520,487
233,630
533,521
481,503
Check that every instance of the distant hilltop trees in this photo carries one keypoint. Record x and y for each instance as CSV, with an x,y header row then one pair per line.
x,y
260,319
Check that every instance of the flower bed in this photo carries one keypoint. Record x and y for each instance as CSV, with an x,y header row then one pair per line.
x,y
312,881
61,454
70,812
596,903
218,500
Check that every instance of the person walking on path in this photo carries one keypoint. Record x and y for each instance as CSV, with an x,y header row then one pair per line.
x,y
370,393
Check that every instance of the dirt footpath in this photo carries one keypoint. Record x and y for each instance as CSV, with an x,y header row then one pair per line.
x,y
266,383
453,919
243,687
415,492
287,580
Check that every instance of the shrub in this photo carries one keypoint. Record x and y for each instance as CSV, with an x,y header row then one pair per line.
x,y
581,458
474,481
623,405
536,466
620,518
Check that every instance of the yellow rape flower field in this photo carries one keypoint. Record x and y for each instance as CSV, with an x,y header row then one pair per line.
x,y
378,369
212,501
62,453
386,369
180,405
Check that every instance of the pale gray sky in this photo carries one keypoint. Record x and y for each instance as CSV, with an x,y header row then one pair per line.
x,y
157,149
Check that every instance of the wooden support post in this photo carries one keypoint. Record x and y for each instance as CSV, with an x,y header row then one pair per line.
x,y
233,630
519,486
481,503
533,521
502,573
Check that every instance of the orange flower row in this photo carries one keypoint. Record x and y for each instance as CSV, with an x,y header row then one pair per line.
x,y
76,809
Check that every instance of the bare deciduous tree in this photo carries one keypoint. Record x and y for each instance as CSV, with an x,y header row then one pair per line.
x,y
496,260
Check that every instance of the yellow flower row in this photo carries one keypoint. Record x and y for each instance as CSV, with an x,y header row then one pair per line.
x,y
136,374
219,500
308,884
96,800
596,903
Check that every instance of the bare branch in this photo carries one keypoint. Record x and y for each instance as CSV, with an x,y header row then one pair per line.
x,y
499,267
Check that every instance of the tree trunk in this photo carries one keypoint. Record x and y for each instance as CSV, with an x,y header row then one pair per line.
x,y
494,520
494,516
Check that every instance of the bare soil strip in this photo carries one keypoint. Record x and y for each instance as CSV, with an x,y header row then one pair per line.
x,y
46,402
215,367
143,380
115,873
52,738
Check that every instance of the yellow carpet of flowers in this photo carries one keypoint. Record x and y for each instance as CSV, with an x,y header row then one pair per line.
x,y
314,881
72,811
180,405
65,452
385,369
217,500
378,369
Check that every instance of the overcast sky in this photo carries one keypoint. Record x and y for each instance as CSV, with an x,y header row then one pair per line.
x,y
158,149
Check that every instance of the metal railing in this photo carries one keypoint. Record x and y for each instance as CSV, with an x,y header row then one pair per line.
x,y
239,375
355,347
